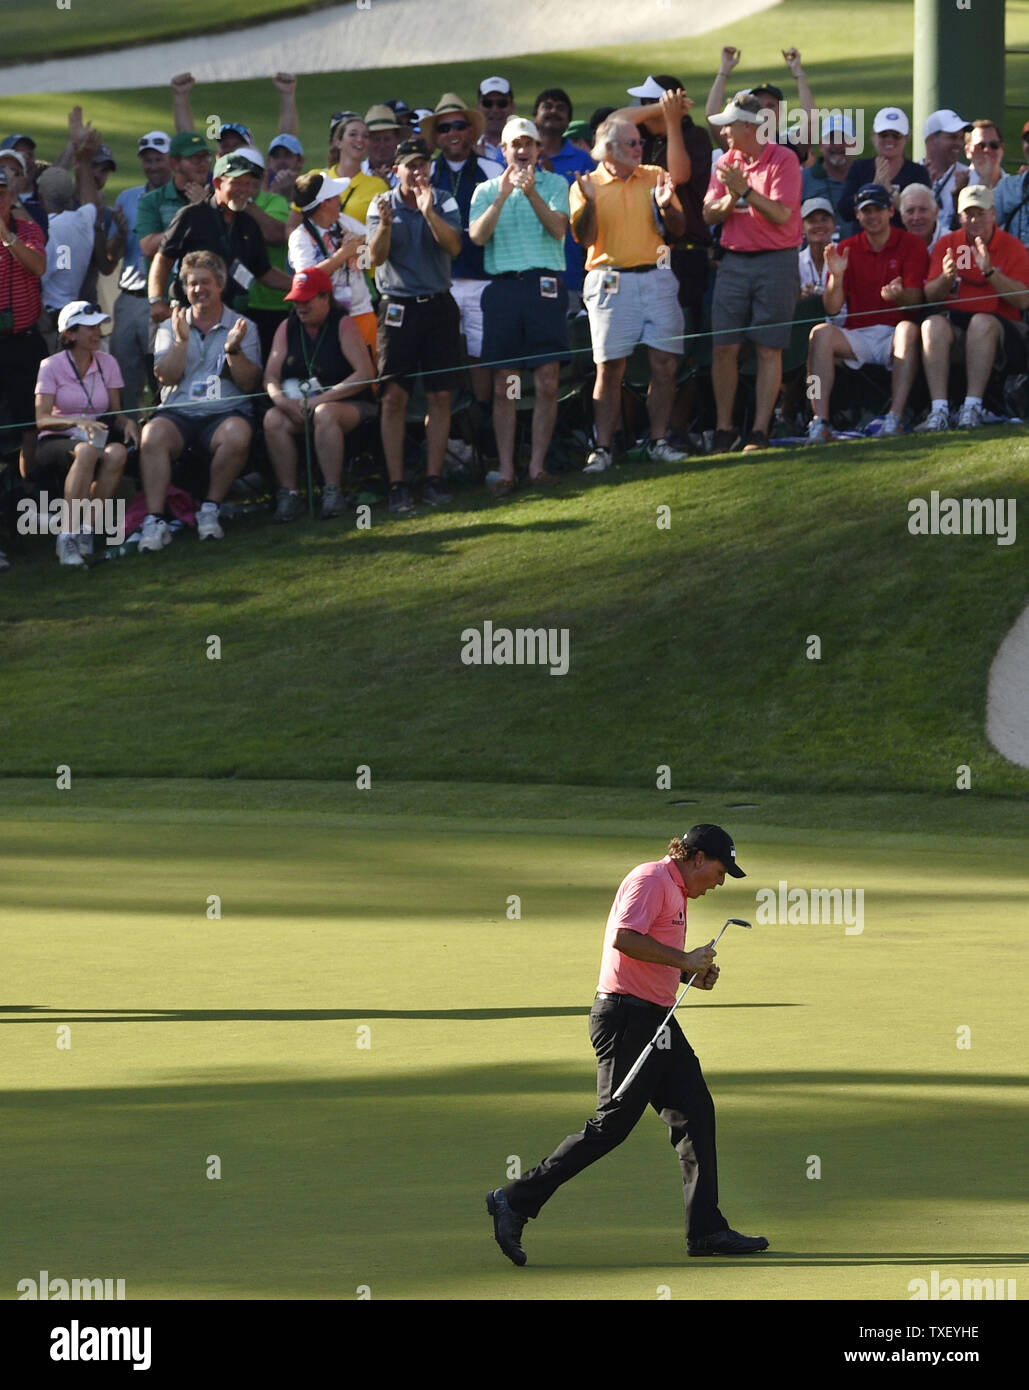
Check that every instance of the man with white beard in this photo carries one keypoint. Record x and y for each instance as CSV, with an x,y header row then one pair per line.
x,y
219,223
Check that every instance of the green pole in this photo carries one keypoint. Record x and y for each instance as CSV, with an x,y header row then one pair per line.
x,y
959,63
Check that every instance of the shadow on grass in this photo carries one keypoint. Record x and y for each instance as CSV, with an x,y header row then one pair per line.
x,y
330,1182
42,1014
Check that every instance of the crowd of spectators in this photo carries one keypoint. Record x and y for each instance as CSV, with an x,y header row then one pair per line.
x,y
270,294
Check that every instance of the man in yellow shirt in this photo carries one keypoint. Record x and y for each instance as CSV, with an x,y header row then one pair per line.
x,y
625,213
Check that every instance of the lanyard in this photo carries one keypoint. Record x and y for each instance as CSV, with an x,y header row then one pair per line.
x,y
87,392
943,180
312,358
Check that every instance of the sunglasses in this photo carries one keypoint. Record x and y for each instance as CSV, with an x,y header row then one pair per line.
x,y
497,104
989,145
452,125
631,144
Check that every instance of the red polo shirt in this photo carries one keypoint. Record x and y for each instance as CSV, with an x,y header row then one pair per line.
x,y
777,174
1006,253
904,254
650,900
19,288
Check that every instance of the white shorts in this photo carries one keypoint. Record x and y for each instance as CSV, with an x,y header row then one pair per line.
x,y
468,294
872,344
644,309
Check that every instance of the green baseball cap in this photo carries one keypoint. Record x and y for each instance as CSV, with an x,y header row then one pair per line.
x,y
187,142
232,166
577,130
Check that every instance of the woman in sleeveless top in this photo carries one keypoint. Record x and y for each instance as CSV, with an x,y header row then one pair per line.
x,y
320,373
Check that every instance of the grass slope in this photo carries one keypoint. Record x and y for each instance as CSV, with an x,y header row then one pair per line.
x,y
857,55
342,1165
688,645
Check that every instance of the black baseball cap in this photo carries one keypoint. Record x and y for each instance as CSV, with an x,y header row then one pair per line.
x,y
715,843
770,88
410,150
874,193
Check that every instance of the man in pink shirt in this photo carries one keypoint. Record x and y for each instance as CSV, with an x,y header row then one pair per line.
x,y
754,196
642,965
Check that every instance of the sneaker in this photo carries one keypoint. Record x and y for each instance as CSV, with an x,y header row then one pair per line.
x,y
818,431
155,534
400,503
84,541
433,494
935,422
756,439
507,1226
890,426
726,1243
971,417
208,528
332,502
724,442
288,505
660,451
68,550
502,487
599,461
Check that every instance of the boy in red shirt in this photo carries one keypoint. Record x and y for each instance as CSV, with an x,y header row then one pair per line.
x,y
880,273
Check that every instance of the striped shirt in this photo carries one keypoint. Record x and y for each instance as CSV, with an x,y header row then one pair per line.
x,y
19,288
520,241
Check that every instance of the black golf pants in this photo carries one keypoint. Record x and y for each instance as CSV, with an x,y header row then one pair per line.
x,y
671,1081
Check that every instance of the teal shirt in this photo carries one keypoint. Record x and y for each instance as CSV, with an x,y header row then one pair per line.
x,y
520,241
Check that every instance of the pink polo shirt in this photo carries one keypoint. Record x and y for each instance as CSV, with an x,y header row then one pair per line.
x,y
651,900
777,174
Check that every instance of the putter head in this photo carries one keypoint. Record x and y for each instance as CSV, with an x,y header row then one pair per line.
x,y
738,922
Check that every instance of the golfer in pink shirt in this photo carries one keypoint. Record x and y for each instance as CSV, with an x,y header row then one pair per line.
x,y
641,967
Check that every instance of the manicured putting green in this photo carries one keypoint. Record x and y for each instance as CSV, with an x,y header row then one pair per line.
x,y
344,1166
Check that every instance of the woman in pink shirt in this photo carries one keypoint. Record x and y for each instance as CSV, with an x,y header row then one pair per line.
x,y
75,387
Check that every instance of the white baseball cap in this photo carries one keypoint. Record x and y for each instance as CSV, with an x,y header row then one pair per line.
x,y
80,312
154,140
251,154
651,89
319,193
817,205
736,110
891,118
494,84
948,122
16,155
837,125
516,127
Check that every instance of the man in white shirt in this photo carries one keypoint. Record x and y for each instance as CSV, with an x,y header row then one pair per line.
x,y
944,143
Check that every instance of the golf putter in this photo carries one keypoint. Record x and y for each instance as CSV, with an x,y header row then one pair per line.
x,y
638,1064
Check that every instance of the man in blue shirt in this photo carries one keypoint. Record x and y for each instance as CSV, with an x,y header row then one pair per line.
x,y
413,235
132,340
457,171
551,114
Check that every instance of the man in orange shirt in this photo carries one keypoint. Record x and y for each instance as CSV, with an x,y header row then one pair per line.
x,y
983,274
626,212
